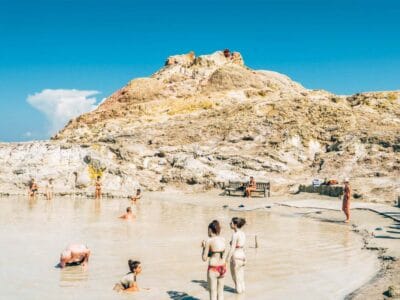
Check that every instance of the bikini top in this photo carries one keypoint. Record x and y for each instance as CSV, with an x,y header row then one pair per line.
x,y
237,246
210,253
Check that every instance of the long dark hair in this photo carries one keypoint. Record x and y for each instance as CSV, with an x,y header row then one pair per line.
x,y
133,264
215,227
239,222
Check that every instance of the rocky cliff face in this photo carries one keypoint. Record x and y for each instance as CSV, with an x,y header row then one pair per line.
x,y
200,121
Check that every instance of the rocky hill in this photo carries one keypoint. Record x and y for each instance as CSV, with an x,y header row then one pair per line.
x,y
200,121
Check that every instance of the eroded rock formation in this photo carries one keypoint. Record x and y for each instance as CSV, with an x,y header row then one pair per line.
x,y
200,121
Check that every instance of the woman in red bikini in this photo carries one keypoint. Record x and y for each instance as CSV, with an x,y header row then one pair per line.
x,y
213,250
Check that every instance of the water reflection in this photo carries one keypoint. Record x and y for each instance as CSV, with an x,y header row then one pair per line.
x,y
70,275
32,203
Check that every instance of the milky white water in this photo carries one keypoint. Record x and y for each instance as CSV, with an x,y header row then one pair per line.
x,y
297,258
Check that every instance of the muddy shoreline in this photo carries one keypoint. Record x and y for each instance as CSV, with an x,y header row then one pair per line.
x,y
366,222
370,225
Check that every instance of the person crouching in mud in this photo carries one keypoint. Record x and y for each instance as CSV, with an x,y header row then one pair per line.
x,y
128,283
213,250
74,255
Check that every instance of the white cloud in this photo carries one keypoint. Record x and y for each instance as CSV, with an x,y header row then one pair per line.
x,y
59,106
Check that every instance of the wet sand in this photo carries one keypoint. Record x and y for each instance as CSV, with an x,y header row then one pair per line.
x,y
298,257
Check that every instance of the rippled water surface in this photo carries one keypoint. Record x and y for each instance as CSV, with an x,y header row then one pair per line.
x,y
296,259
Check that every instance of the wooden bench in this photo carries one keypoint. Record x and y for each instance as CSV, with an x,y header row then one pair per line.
x,y
263,187
234,186
240,187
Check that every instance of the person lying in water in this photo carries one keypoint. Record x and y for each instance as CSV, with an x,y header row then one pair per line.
x,y
128,283
128,215
74,255
137,196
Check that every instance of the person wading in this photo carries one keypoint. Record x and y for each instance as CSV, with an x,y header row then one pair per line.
x,y
346,200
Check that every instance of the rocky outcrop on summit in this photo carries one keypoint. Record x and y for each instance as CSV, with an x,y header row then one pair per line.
x,y
200,121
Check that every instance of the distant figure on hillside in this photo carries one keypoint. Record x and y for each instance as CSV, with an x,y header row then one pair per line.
x,y
227,53
97,194
137,196
128,282
236,255
33,189
213,250
346,200
74,255
49,189
128,215
251,186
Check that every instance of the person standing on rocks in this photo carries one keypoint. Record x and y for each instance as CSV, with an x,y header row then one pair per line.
x,y
346,200
97,194
213,250
251,186
236,254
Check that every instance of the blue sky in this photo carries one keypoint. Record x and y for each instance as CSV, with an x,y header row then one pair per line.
x,y
95,45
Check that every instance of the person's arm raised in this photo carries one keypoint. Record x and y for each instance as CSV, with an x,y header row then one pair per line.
x,y
206,249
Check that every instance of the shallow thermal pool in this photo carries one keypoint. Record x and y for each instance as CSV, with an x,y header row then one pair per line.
x,y
297,258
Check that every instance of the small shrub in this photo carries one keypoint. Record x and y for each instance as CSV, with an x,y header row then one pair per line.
x,y
392,96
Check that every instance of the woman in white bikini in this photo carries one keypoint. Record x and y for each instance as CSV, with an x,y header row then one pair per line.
x,y
236,254
213,250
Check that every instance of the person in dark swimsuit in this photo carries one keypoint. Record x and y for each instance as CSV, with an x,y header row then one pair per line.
x,y
33,189
213,251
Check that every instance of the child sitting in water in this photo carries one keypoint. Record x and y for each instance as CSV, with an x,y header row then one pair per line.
x,y
128,215
128,282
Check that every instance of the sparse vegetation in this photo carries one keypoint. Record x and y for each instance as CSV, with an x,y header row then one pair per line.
x,y
182,106
392,96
